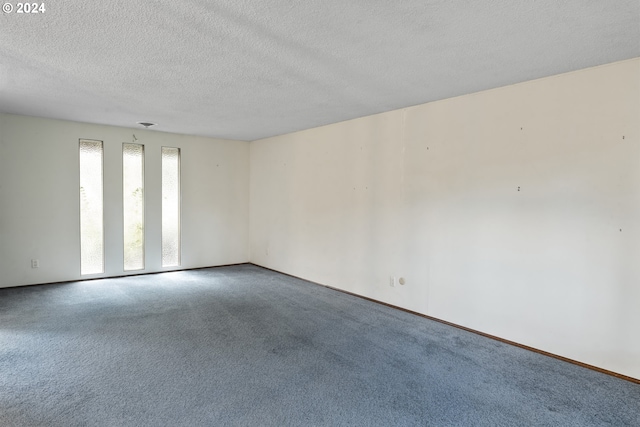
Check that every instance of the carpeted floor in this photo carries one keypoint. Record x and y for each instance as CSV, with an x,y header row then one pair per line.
x,y
243,345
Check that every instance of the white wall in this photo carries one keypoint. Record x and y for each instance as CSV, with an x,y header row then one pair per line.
x,y
39,199
430,193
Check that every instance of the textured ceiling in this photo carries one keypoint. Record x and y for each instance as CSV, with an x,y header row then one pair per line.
x,y
248,69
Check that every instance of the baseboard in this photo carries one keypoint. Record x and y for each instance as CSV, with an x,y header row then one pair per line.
x,y
505,341
464,328
144,273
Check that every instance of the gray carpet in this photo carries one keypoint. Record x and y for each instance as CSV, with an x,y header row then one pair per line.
x,y
243,345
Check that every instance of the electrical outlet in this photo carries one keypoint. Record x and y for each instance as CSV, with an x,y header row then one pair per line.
x,y
35,263
392,282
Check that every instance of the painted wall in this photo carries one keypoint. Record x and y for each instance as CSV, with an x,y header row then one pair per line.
x,y
39,199
514,211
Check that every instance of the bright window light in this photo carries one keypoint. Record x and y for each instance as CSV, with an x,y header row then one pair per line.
x,y
133,205
170,207
91,208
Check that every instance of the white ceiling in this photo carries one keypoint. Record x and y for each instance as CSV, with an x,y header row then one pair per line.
x,y
248,69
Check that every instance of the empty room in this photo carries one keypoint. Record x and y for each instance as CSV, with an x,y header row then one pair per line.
x,y
320,213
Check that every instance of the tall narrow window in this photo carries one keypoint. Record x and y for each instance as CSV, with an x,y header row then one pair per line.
x,y
170,207
133,205
91,216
